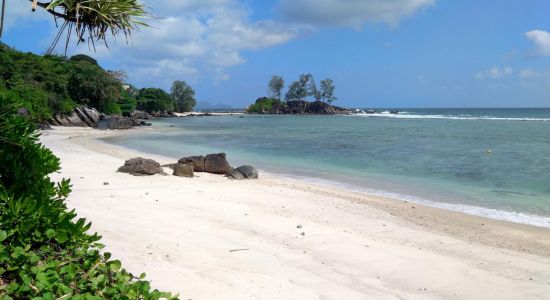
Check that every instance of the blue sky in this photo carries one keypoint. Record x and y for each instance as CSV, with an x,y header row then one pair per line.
x,y
380,53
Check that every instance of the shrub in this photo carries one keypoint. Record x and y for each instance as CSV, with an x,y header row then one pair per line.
x,y
45,252
154,100
263,105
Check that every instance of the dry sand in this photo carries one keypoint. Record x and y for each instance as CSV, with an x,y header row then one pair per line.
x,y
212,238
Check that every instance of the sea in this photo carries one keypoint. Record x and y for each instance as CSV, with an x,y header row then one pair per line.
x,y
487,162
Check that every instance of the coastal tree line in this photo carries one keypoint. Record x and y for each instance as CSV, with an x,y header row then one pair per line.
x,y
302,88
49,85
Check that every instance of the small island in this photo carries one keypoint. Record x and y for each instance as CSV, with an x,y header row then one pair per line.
x,y
295,99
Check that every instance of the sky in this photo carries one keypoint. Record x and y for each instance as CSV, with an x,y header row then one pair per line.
x,y
380,53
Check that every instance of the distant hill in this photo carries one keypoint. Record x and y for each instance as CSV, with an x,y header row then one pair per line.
x,y
202,105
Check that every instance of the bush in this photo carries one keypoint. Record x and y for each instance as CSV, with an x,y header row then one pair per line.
x,y
45,253
263,105
90,85
154,100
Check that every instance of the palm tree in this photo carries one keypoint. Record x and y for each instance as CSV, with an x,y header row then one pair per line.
x,y
91,20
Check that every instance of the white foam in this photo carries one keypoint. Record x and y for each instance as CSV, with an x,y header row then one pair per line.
x,y
387,114
515,217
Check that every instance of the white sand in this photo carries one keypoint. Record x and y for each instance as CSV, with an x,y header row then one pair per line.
x,y
182,231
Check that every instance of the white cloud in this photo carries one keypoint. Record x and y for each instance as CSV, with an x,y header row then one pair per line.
x,y
541,39
193,39
494,73
353,13
528,73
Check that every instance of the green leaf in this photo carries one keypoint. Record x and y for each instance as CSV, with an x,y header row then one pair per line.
x,y
115,265
3,235
50,233
61,237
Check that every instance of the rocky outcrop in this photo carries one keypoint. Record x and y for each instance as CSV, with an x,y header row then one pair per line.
x,y
138,114
217,164
244,172
141,166
164,114
90,117
183,170
316,107
80,117
299,107
196,161
114,123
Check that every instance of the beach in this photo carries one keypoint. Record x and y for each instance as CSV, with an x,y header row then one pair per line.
x,y
209,237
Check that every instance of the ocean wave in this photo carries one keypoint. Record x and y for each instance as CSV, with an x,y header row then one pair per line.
x,y
495,214
387,114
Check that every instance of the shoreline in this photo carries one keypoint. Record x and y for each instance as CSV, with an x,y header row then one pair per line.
x,y
515,217
396,227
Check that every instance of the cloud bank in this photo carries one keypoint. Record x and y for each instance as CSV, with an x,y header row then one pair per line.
x,y
541,39
494,73
354,13
191,39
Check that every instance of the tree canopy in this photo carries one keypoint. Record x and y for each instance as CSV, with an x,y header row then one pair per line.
x,y
183,96
276,85
153,100
305,86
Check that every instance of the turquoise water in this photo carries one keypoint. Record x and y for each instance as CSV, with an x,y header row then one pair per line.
x,y
491,162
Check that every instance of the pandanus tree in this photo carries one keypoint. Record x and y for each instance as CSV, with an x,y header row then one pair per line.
x,y
90,21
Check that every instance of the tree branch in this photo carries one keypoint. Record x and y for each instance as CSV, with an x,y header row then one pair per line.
x,y
53,12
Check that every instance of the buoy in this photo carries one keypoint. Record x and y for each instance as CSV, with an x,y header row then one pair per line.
x,y
489,151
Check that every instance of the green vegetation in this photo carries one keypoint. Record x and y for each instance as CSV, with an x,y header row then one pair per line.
x,y
153,99
298,90
275,86
265,104
45,252
305,86
50,85
183,96
92,86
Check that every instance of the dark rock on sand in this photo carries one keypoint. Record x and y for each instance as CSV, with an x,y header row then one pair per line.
x,y
114,123
235,174
217,164
141,166
249,172
138,114
80,117
196,161
183,170
243,172
171,166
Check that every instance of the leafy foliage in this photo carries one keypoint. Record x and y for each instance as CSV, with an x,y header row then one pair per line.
x,y
183,95
276,85
48,85
92,86
45,252
154,100
39,82
127,102
83,57
263,105
94,20
327,90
